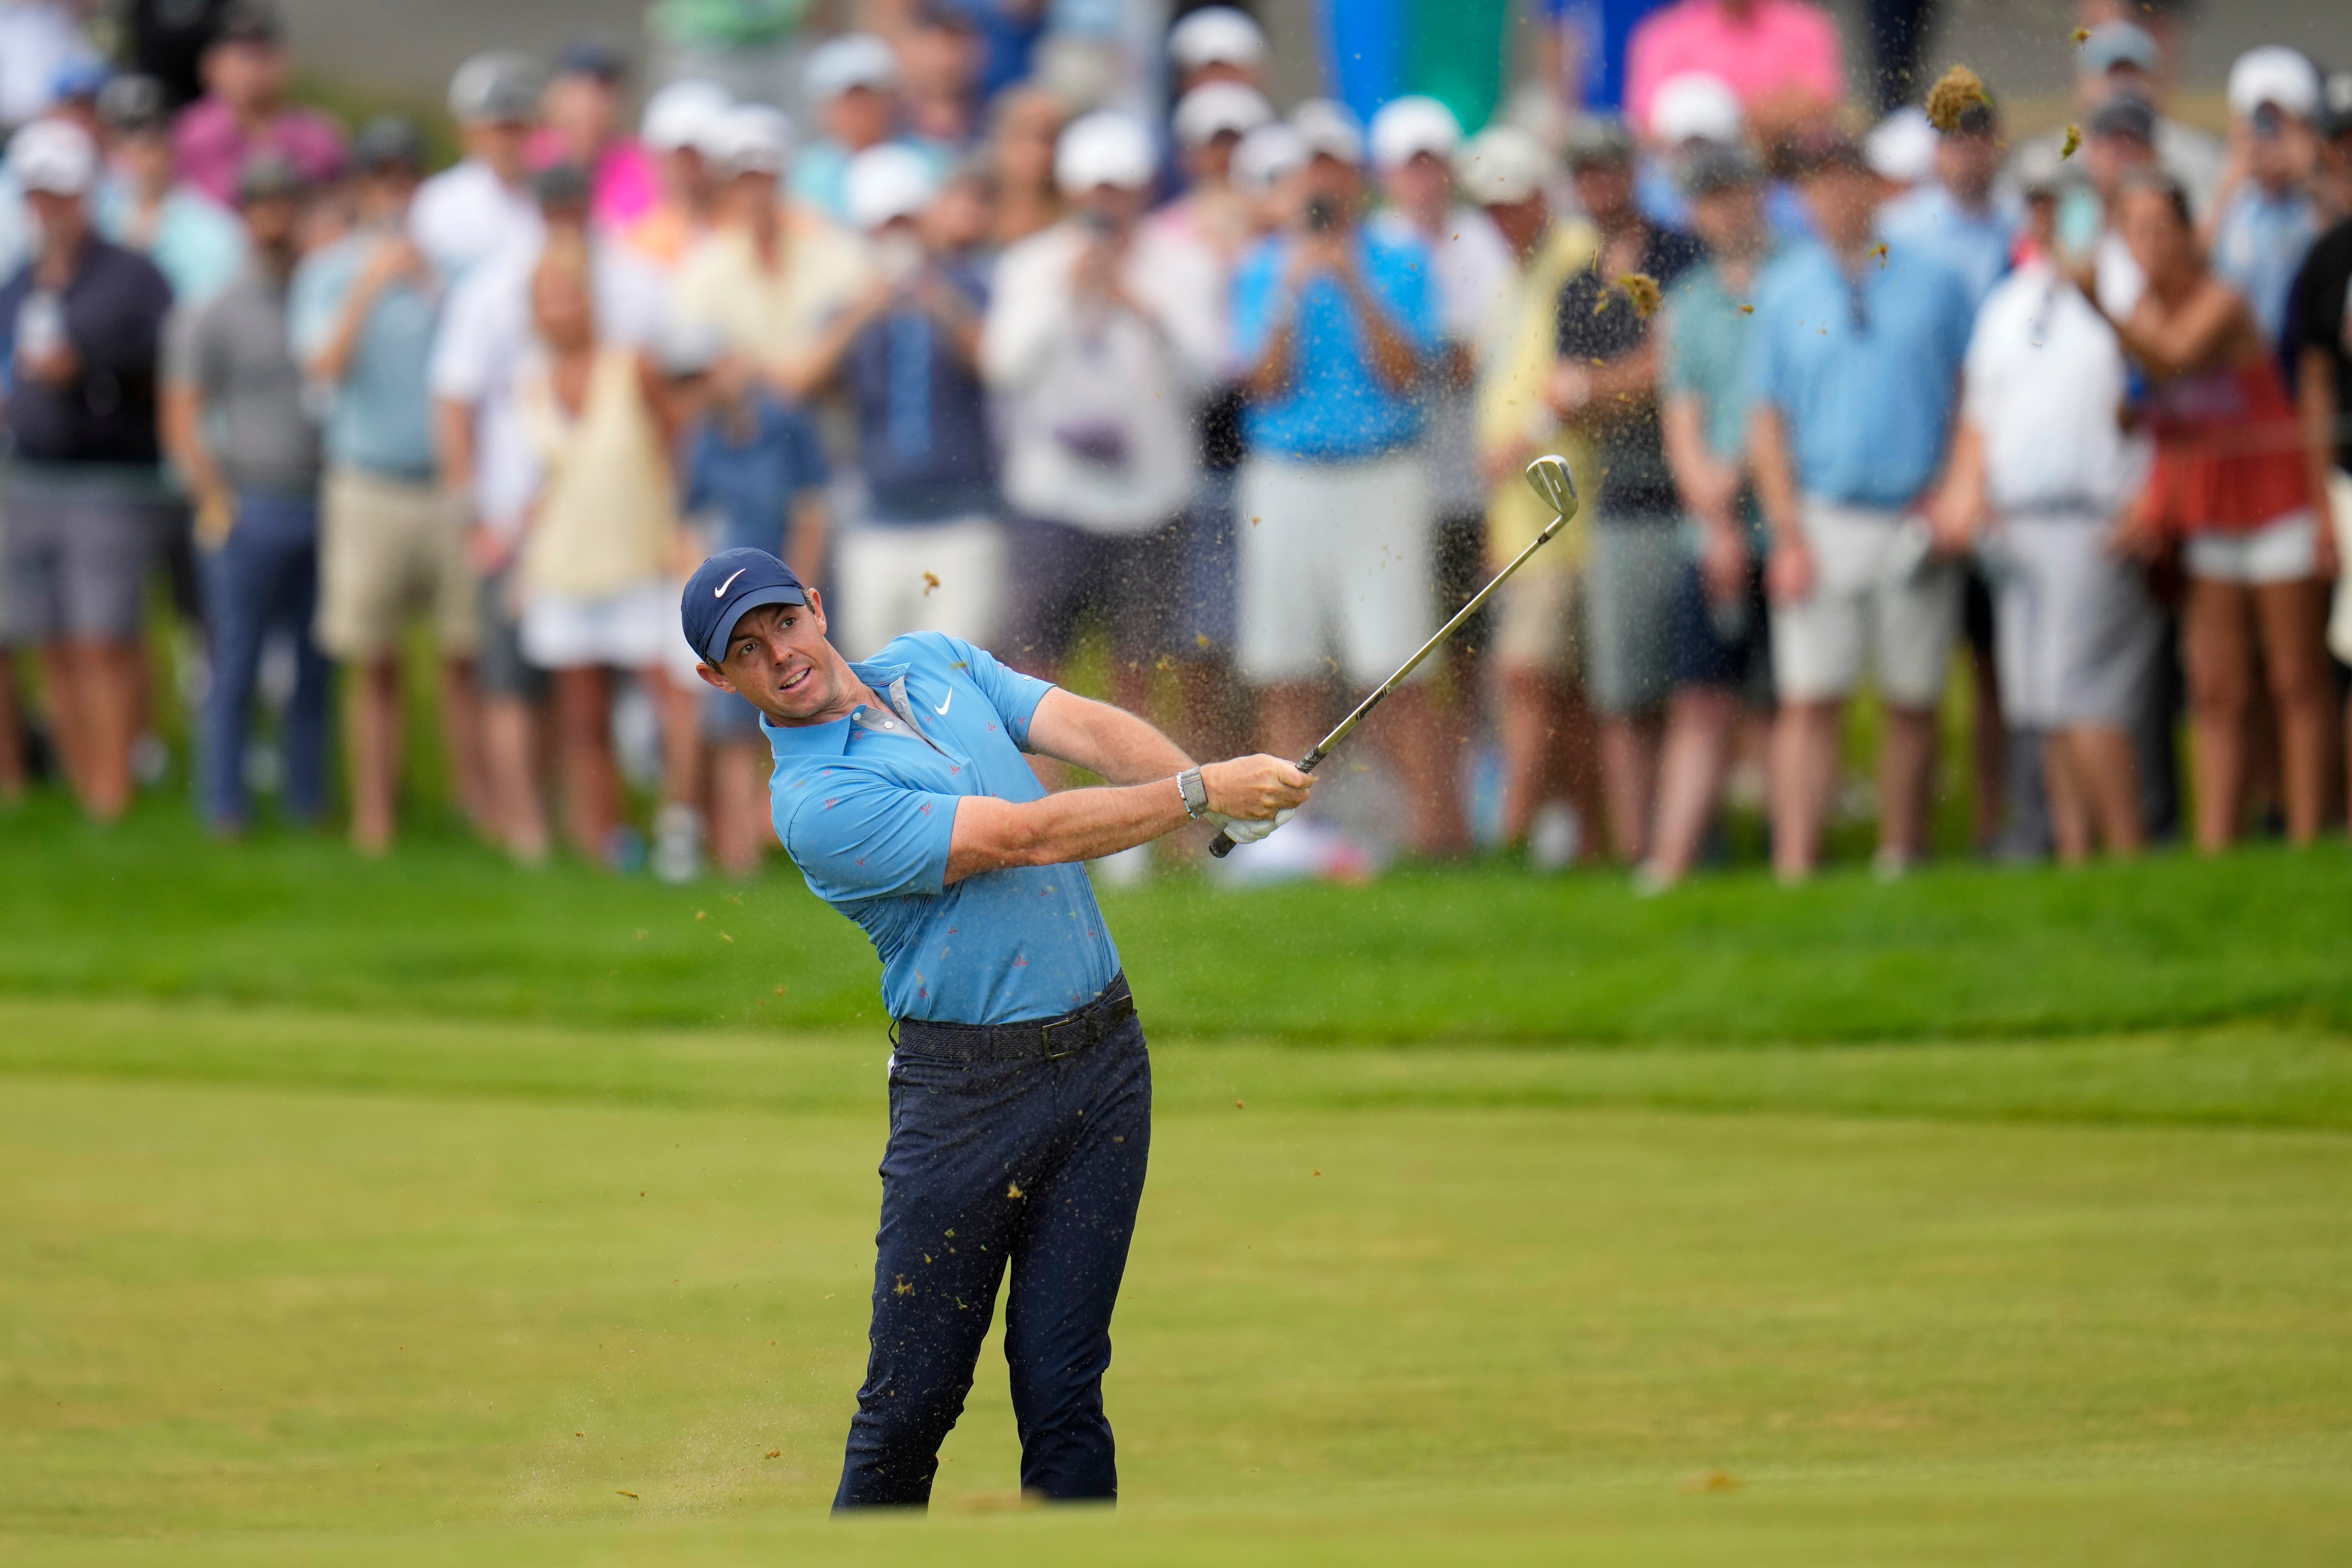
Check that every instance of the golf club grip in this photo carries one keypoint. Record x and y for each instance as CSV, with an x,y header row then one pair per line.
x,y
1223,844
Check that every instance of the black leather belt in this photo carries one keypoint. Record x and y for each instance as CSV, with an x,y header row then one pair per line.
x,y
1033,1040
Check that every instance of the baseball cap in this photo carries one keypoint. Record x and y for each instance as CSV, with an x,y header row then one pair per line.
x,y
1328,129
1500,166
248,22
727,586
682,114
1266,154
132,102
751,139
1214,108
887,183
687,346
2040,168
2112,44
1408,126
1696,106
82,76
53,155
1902,147
1105,148
2275,74
1216,36
592,57
386,141
499,87
1824,150
1599,138
1714,166
2124,115
854,60
268,176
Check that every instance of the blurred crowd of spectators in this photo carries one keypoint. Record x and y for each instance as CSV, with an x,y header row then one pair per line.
x,y
1223,408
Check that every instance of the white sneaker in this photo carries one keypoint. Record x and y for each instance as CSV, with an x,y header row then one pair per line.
x,y
678,843
1554,837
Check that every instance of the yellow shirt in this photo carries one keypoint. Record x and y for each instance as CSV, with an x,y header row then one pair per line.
x,y
772,316
606,516
1520,347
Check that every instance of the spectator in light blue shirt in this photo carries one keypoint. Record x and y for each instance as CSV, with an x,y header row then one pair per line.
x,y
363,314
1958,217
1337,330
197,244
2264,223
1854,371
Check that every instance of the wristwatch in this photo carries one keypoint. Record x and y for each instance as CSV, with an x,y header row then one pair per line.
x,y
1195,794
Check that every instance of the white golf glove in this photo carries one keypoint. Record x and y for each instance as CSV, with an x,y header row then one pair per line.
x,y
1242,830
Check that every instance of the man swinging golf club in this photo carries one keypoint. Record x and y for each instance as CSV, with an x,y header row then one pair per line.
x,y
1020,1088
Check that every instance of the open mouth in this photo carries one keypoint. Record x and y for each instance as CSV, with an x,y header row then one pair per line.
x,y
795,681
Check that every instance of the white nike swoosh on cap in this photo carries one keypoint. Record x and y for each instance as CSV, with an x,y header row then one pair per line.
x,y
720,591
942,709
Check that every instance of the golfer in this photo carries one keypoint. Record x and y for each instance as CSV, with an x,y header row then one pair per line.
x,y
1020,1089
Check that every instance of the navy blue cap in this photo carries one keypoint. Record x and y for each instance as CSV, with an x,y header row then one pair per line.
x,y
723,587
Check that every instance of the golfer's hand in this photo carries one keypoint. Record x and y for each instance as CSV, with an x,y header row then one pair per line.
x,y
1251,832
1252,790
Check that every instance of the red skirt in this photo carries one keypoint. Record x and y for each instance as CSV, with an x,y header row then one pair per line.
x,y
2229,453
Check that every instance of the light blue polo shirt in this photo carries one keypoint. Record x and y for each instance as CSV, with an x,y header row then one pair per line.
x,y
1975,246
866,806
379,415
1335,410
1865,371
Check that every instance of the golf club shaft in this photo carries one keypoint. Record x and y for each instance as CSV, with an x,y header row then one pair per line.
x,y
1222,844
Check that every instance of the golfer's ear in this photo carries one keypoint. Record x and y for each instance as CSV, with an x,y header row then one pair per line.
x,y
816,609
712,678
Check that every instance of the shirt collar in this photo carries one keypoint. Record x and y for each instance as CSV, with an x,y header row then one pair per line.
x,y
832,739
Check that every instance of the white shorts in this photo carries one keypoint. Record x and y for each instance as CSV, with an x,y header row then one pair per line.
x,y
918,577
1335,558
2283,549
1877,602
2077,636
637,628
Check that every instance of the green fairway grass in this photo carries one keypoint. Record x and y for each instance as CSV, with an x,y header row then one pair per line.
x,y
293,1288
150,909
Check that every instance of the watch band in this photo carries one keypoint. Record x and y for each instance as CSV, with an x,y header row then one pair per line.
x,y
1195,793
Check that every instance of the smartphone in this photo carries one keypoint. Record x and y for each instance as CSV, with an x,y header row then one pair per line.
x,y
1322,214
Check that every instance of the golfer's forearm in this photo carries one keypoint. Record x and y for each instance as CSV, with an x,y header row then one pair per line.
x,y
1077,825
1106,741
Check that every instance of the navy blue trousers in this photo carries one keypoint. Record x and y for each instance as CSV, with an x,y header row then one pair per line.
x,y
265,574
1035,1164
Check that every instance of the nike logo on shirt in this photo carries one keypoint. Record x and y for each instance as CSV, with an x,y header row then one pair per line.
x,y
720,591
942,709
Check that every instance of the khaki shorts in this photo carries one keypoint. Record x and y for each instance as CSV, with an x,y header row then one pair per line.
x,y
1877,602
1539,624
388,548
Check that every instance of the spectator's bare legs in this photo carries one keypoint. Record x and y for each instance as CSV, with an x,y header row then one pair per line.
x,y
1804,775
374,731
1290,717
2102,770
461,740
2217,649
2293,618
1701,723
1629,768
93,695
740,829
1906,780
512,746
2067,794
1548,747
12,734
1409,726
584,747
683,755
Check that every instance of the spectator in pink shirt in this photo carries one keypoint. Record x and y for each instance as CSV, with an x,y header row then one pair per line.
x,y
244,111
582,125
1782,56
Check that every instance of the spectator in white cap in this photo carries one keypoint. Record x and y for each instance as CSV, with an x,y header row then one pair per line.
x,y
1101,337
1414,139
1689,110
853,81
2264,220
1217,43
1265,166
82,323
1336,327
1210,123
1955,213
1541,709
778,271
483,203
1902,149
679,129
924,551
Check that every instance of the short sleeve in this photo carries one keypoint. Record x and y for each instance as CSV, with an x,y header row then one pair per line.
x,y
1014,695
857,835
314,303
466,349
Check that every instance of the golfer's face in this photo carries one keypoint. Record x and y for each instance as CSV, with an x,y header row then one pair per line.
x,y
776,660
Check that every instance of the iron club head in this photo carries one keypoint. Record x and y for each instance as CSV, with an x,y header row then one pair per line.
x,y
1549,475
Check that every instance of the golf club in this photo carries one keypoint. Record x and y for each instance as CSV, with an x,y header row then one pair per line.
x,y
1549,475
